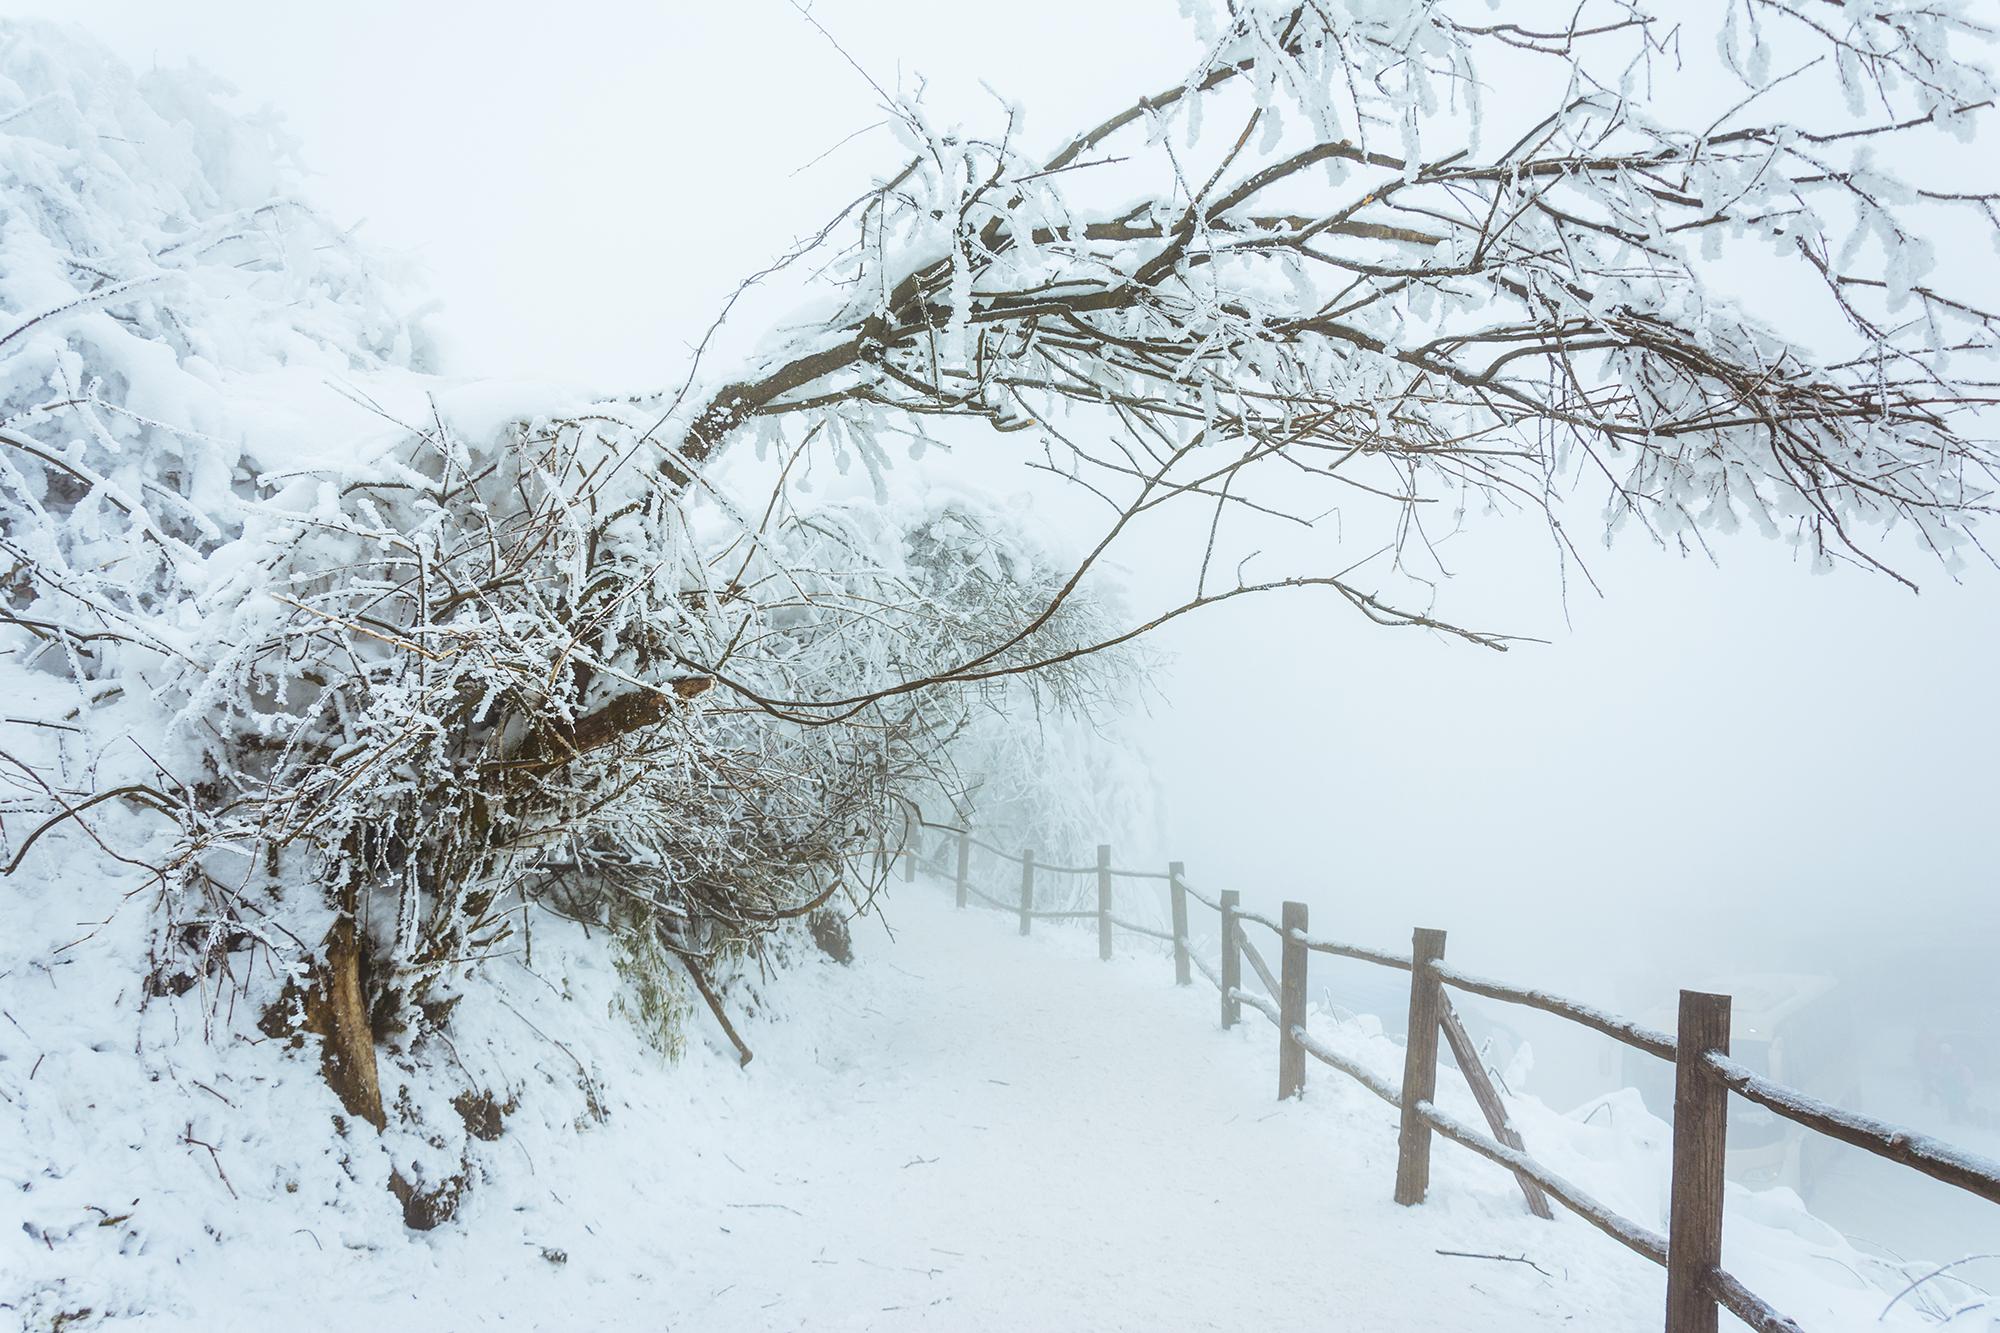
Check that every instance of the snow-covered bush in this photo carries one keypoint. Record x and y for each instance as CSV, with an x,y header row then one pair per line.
x,y
352,701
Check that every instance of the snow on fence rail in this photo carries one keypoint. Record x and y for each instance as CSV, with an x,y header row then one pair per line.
x,y
1650,1040
1705,1076
1920,1152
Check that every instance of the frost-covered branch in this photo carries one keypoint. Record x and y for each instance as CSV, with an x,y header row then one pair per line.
x,y
1370,286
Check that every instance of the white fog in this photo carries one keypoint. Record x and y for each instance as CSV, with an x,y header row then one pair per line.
x,y
1700,763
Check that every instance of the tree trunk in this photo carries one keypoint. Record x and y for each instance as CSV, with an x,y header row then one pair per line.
x,y
337,1010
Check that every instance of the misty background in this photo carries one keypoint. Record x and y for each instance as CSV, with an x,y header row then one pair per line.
x,y
1709,772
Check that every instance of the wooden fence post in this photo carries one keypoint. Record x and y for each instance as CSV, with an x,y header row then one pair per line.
x,y
1232,960
964,863
1701,1125
1182,976
1104,901
1027,890
1420,1067
1292,1002
1488,1097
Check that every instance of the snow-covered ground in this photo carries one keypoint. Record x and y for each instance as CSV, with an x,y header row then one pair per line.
x,y
961,1130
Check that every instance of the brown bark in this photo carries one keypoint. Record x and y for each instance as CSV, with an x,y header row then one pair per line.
x,y
715,1007
615,720
336,1008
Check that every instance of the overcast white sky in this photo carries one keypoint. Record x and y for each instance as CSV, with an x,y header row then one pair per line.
x,y
1751,745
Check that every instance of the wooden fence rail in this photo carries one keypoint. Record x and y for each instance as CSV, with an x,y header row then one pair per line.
x,y
1704,1075
1257,965
1919,1152
1650,1040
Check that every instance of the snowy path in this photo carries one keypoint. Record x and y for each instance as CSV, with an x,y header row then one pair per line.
x,y
1023,1137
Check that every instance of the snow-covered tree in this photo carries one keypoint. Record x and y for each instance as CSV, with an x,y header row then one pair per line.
x,y
357,697
1425,254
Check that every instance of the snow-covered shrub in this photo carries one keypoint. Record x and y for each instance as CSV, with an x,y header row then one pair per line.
x,y
1034,757
354,700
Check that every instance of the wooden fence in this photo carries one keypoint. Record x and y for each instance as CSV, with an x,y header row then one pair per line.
x,y
1704,1075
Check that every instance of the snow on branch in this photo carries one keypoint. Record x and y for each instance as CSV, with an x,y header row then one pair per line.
x,y
1319,272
